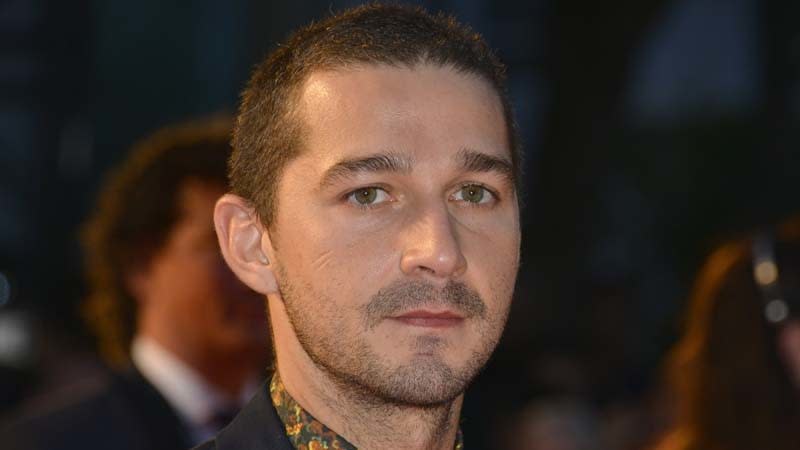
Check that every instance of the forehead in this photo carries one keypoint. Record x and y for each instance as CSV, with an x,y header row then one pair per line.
x,y
421,109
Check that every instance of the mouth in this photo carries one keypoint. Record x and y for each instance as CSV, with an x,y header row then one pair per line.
x,y
430,319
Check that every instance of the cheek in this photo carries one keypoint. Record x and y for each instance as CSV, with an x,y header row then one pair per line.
x,y
492,262
194,289
341,258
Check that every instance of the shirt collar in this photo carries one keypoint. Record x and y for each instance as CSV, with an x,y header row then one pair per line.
x,y
194,399
306,432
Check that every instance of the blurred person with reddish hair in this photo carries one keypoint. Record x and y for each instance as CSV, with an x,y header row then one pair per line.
x,y
187,339
736,371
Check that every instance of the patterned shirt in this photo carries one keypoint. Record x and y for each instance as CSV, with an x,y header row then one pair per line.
x,y
307,433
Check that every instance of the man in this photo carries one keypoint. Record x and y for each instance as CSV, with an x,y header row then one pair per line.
x,y
387,241
189,335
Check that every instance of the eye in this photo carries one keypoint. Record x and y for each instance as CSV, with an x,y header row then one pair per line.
x,y
368,196
473,193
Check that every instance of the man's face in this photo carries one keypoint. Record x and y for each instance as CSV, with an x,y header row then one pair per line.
x,y
397,229
192,295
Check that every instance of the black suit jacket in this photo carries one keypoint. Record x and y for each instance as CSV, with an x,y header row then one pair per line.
x,y
127,413
256,427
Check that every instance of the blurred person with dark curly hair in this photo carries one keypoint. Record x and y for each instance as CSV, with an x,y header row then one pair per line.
x,y
187,340
736,371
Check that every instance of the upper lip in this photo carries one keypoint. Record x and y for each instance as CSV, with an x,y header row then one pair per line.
x,y
428,314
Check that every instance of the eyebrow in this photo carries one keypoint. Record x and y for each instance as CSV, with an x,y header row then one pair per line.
x,y
475,161
469,160
382,162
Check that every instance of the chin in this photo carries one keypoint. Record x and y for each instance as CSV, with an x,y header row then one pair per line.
x,y
425,382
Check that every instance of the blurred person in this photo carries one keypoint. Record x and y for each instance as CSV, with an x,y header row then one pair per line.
x,y
565,413
389,245
188,340
736,371
559,416
556,424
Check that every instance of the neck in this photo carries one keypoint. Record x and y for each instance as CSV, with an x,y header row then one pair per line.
x,y
228,372
229,375
364,420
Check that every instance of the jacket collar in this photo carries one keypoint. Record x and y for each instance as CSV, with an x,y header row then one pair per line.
x,y
256,427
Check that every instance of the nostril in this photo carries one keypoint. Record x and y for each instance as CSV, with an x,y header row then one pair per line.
x,y
427,270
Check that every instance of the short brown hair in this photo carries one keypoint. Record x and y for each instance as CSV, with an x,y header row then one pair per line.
x,y
268,133
136,210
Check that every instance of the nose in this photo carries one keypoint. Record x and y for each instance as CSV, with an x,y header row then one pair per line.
x,y
431,247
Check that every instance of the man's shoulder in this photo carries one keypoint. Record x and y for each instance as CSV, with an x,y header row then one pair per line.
x,y
63,419
209,445
113,414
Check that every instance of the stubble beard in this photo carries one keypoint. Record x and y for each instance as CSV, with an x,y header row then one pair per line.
x,y
426,382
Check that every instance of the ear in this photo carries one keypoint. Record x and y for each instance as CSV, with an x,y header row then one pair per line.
x,y
137,276
244,243
136,282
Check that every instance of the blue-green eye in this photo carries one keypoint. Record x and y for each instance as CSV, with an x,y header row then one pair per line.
x,y
473,193
368,196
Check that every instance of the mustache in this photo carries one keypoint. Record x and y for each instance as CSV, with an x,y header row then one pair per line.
x,y
407,295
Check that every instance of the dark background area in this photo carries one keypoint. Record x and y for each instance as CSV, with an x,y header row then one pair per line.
x,y
652,129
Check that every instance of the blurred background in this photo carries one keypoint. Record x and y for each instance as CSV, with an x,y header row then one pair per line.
x,y
652,130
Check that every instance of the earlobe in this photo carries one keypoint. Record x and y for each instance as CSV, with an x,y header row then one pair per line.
x,y
240,235
137,283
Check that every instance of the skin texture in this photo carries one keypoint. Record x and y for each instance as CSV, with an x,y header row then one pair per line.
x,y
425,148
192,304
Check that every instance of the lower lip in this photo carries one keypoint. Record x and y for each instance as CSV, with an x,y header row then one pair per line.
x,y
430,322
